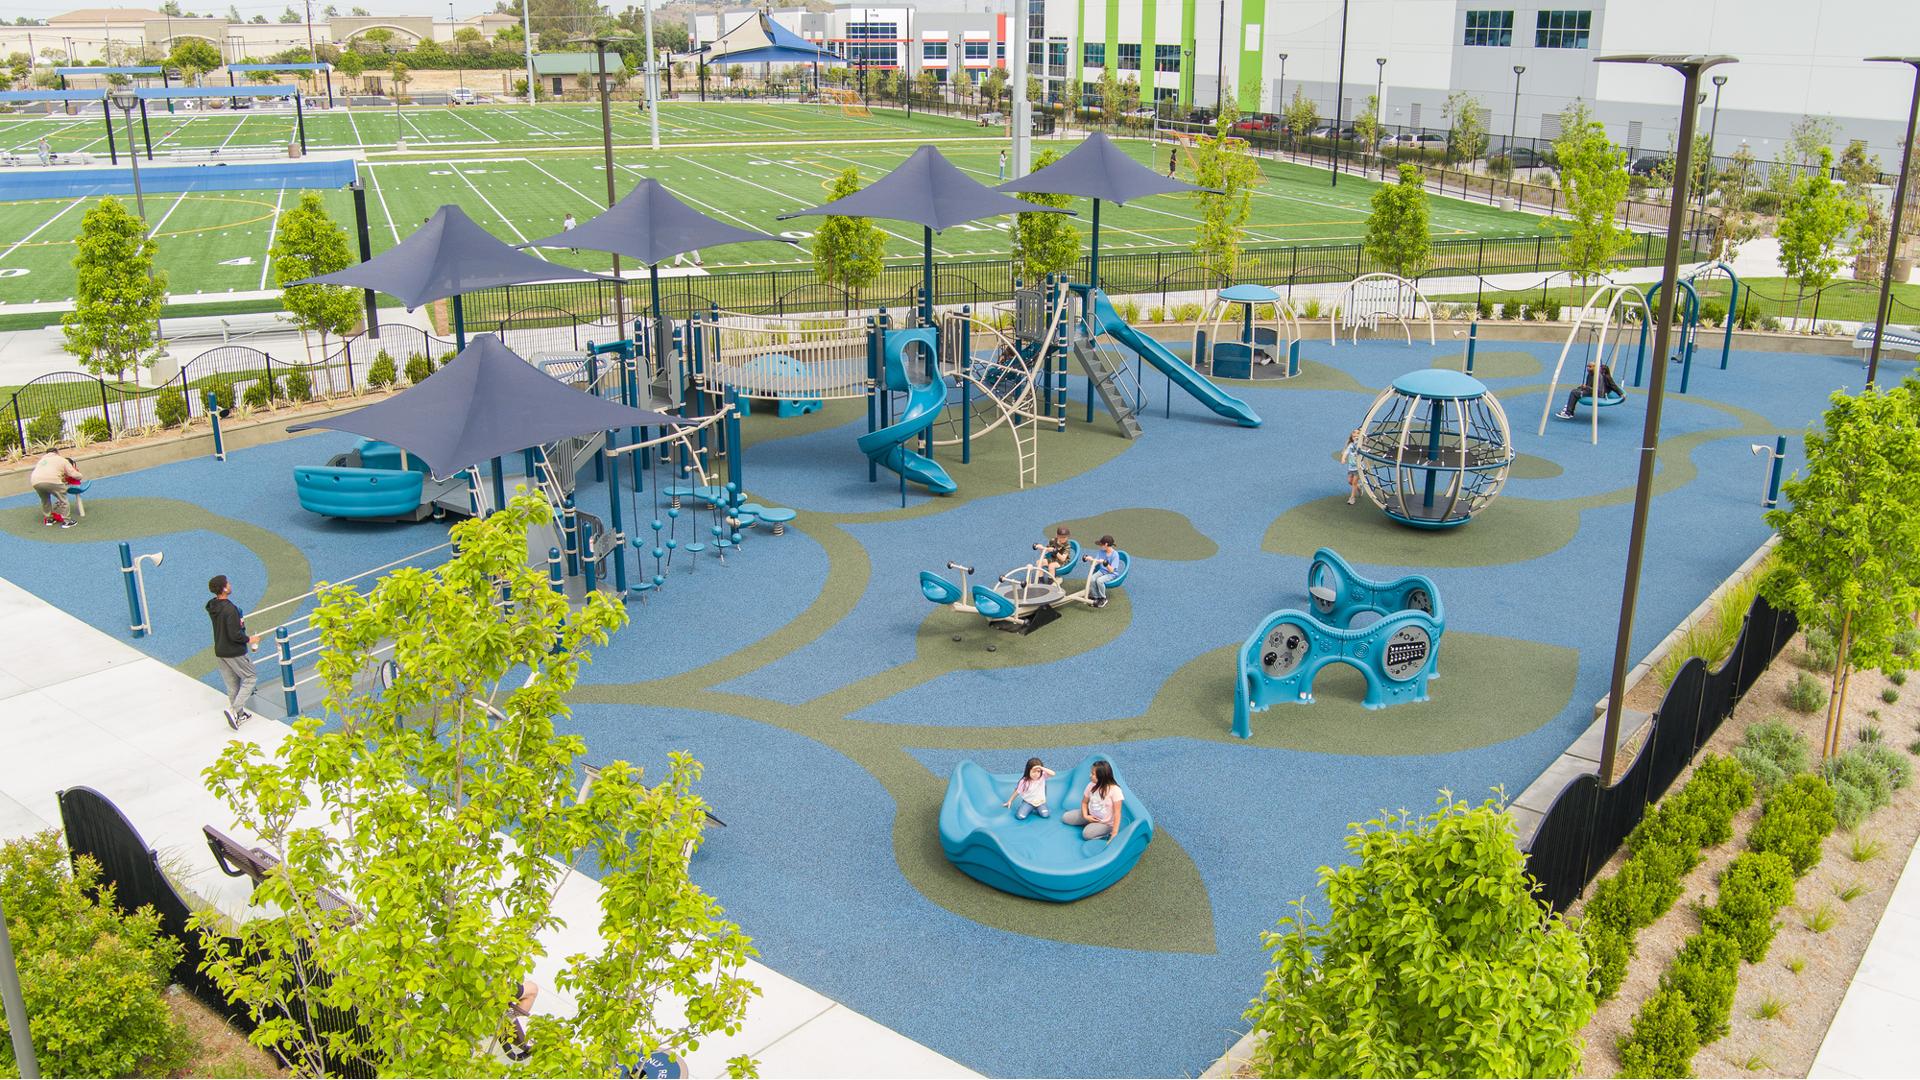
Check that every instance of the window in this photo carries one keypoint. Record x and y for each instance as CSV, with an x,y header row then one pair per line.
x,y
978,50
1057,56
1490,28
1089,95
1562,29
933,50
1130,58
1166,58
1094,54
1036,53
1165,93
1036,24
872,44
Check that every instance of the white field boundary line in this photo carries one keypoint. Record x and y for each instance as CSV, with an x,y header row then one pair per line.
x,y
707,206
475,127
17,244
790,197
735,146
273,230
496,211
373,175
236,130
158,225
34,142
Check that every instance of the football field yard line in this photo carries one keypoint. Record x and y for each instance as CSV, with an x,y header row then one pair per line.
x,y
915,241
43,227
471,124
699,202
231,134
373,174
496,211
354,123
158,225
273,230
49,136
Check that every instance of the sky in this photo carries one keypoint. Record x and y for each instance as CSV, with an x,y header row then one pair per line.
x,y
462,9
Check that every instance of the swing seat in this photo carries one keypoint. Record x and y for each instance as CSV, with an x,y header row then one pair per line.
x,y
1606,401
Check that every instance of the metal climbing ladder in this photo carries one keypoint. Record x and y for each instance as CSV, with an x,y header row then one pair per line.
x,y
1105,374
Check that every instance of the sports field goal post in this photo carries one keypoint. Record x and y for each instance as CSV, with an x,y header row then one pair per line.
x,y
848,100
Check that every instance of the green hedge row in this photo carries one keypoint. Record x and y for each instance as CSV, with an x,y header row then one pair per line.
x,y
1667,844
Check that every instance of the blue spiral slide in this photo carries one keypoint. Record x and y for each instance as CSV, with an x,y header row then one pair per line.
x,y
890,445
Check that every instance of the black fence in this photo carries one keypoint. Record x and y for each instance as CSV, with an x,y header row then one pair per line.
x,y
95,827
1587,823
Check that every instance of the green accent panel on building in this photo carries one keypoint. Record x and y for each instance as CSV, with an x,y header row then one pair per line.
x,y
1077,59
1186,53
1252,61
1148,32
1113,40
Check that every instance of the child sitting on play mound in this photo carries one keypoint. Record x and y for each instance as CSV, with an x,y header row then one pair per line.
x,y
1030,791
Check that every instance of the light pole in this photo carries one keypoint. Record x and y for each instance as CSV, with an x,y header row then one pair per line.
x,y
1379,106
1713,134
651,80
1339,95
1513,126
125,101
1899,200
1689,68
1280,99
16,1007
1220,66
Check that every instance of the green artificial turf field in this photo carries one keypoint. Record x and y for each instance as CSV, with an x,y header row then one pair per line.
x,y
217,242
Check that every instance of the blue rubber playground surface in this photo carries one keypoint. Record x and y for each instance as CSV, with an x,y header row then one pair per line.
x,y
829,701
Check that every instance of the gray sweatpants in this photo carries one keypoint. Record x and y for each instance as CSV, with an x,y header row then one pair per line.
x,y
237,672
1092,830
53,499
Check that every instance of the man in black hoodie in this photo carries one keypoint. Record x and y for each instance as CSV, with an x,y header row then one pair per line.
x,y
231,644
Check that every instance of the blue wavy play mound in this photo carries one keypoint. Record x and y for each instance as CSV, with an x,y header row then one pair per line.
x,y
1041,858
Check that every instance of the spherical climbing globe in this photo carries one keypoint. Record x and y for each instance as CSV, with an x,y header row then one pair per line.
x,y
1435,449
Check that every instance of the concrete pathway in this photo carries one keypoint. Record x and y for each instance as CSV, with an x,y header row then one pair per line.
x,y
1872,1034
83,708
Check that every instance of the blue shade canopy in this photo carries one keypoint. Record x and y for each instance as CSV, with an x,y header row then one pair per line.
x,y
1098,169
162,93
448,256
760,40
484,403
143,69
927,190
652,226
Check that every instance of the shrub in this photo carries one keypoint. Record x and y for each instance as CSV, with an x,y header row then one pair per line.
x,y
1906,642
1752,887
299,385
1898,769
1807,694
46,429
1311,311
1706,972
1492,960
1188,312
1483,308
1130,310
1156,314
1663,1040
418,368
1772,751
1821,650
1713,312
9,438
1897,676
1762,201
222,395
447,357
262,393
1889,695
381,373
1550,307
1870,733
1610,949
1795,820
1860,786
1821,919
170,408
1769,324
94,980
96,429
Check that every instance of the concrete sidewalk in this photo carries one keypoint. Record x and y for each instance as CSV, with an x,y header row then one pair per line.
x,y
83,708
1872,1034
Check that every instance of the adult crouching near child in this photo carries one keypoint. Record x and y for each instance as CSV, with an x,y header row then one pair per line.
x,y
52,474
231,646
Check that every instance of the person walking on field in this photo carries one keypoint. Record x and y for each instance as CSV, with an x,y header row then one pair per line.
x,y
231,644
51,476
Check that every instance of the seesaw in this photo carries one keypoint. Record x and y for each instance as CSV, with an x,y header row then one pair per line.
x,y
1024,599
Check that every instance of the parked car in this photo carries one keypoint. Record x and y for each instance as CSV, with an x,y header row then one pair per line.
x,y
1645,165
1258,122
1526,157
463,96
1423,140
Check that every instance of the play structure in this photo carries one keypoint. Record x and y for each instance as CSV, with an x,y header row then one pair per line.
x,y
377,481
1024,598
1099,322
1232,337
1435,449
1369,298
1042,858
1387,630
1608,313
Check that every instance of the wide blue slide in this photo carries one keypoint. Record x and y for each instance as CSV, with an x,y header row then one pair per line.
x,y
1108,321
890,445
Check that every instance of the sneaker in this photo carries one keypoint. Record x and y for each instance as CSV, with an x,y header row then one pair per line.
x,y
68,524
244,716
232,720
1565,414
47,519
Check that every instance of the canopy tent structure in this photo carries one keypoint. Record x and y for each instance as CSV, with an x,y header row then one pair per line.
x,y
228,93
485,403
442,259
652,226
324,68
1099,170
760,40
933,193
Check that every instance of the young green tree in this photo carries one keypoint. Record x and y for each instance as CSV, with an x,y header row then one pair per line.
x,y
848,252
1434,960
307,242
1848,560
1814,221
350,65
1738,222
1044,243
380,38
1302,116
117,294
193,57
1113,97
401,77
1399,234
1223,165
1593,174
1366,126
992,85
1808,136
446,812
1466,133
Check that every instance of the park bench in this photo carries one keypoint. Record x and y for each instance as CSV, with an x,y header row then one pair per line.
x,y
225,327
254,864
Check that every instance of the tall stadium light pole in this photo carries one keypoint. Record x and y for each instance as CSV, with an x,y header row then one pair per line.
x,y
125,100
1339,95
1280,99
1020,109
1379,106
1513,124
651,81
1689,68
1713,135
1220,65
1880,311
16,1006
526,39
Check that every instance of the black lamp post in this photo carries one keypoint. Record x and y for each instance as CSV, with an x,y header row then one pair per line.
x,y
1339,95
1713,135
1379,106
1513,125
126,100
1689,67
1280,99
1880,311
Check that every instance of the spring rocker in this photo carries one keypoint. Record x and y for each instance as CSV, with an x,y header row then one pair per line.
x,y
1024,599
1273,340
1388,630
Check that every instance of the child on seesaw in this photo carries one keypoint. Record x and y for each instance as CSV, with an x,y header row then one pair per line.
x,y
1057,553
1030,791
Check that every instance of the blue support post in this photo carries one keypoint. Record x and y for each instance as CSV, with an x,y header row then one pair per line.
x,y
1473,342
966,385
555,579
137,618
213,411
570,531
1779,466
593,387
499,485
736,453
873,390
614,521
283,645
586,555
